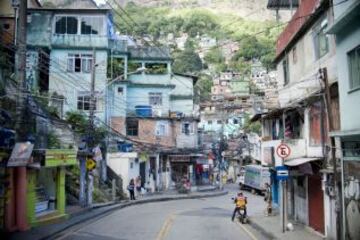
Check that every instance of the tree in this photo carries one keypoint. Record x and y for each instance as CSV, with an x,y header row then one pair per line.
x,y
203,88
214,56
252,127
80,124
187,61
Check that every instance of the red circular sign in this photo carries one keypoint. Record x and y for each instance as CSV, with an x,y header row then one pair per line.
x,y
283,150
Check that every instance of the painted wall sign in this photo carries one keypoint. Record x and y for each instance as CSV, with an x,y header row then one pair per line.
x,y
60,157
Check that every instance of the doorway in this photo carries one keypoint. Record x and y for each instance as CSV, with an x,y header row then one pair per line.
x,y
316,204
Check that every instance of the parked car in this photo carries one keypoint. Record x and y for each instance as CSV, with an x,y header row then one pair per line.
x,y
254,177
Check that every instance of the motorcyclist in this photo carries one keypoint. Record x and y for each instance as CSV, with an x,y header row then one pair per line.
x,y
240,202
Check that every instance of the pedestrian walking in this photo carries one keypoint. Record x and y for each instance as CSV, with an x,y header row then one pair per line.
x,y
268,199
138,185
131,189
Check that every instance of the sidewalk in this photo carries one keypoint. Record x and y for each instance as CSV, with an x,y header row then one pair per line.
x,y
98,210
270,227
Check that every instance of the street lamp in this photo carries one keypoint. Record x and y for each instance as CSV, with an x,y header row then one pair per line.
x,y
120,77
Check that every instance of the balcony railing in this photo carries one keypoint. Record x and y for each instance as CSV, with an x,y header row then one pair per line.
x,y
74,40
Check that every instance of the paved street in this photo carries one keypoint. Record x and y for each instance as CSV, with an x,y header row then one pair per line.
x,y
184,219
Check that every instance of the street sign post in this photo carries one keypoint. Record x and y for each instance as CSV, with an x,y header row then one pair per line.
x,y
90,164
282,174
283,151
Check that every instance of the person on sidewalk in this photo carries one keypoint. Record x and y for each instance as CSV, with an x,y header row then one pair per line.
x,y
240,204
131,189
138,185
268,199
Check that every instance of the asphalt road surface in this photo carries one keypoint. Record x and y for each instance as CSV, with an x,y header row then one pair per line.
x,y
195,219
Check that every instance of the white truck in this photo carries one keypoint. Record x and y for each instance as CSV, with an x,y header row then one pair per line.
x,y
254,177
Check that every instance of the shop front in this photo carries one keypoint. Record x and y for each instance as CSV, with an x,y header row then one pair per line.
x,y
46,198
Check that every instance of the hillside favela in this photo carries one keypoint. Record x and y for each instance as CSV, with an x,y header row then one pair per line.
x,y
179,119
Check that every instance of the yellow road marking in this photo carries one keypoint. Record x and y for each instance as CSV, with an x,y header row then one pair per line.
x,y
164,231
252,236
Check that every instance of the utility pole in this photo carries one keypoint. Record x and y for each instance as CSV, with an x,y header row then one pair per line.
x,y
323,74
91,142
20,68
21,129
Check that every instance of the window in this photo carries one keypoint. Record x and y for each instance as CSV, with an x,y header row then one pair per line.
x,y
321,42
219,121
235,121
83,102
315,124
120,90
155,99
132,127
66,25
187,128
161,129
285,64
79,63
294,55
354,67
91,25
209,122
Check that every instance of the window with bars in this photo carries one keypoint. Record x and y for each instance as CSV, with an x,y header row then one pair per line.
x,y
155,99
80,63
354,67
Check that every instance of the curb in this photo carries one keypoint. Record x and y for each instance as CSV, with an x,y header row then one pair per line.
x,y
259,228
113,206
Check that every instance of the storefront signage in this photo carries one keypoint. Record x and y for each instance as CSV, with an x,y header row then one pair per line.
x,y
59,157
20,155
283,150
180,158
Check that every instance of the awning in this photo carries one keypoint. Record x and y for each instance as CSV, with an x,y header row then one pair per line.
x,y
299,161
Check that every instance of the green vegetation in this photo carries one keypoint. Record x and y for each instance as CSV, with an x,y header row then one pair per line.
x,y
252,127
256,39
80,124
187,61
203,86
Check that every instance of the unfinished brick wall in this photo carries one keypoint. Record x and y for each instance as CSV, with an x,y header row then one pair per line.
x,y
118,123
147,133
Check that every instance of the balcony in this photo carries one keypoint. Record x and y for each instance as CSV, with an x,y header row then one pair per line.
x,y
75,40
268,151
297,91
118,46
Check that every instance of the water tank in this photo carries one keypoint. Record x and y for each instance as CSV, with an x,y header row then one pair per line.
x,y
143,111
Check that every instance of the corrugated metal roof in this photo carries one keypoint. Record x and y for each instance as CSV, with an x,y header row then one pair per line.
x,y
282,4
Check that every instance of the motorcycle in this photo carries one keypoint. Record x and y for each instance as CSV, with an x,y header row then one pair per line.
x,y
241,215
